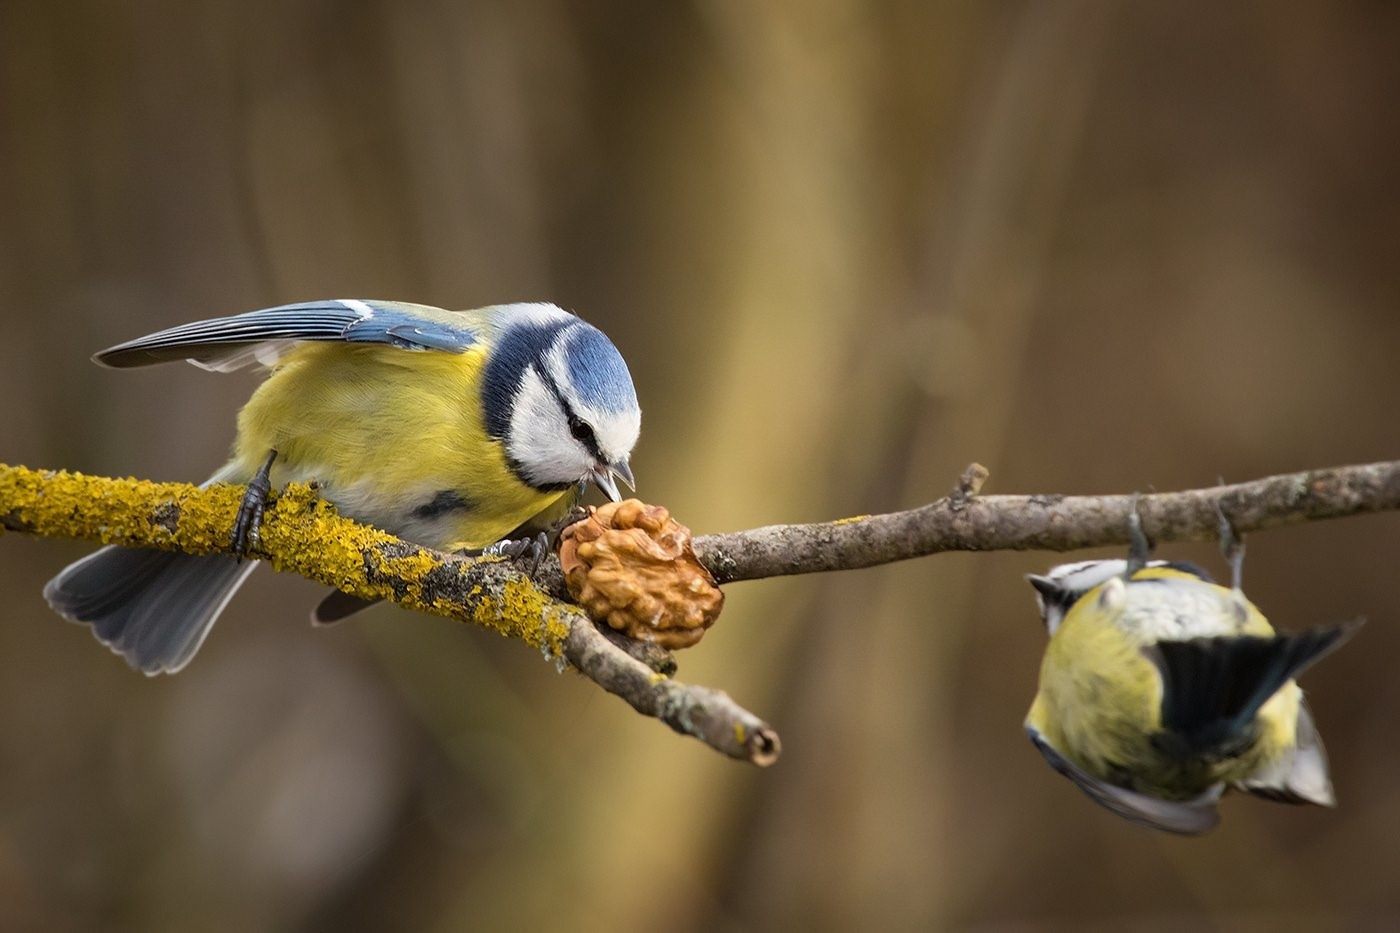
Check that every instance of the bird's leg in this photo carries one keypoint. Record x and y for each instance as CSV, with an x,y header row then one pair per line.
x,y
250,510
538,548
532,549
547,541
529,550
1139,547
576,513
1232,546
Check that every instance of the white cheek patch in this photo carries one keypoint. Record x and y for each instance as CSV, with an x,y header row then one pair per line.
x,y
540,441
1083,576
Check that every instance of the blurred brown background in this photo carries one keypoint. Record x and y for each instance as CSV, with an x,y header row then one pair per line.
x,y
847,248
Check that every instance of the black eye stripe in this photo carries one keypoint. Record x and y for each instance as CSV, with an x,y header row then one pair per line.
x,y
519,350
579,428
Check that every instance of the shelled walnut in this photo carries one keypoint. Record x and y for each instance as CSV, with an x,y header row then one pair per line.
x,y
632,566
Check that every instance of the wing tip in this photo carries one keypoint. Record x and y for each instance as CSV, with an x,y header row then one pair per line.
x,y
114,358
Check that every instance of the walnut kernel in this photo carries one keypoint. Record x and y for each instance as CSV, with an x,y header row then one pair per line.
x,y
632,566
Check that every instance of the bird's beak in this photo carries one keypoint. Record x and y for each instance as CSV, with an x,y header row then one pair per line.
x,y
602,476
606,476
622,471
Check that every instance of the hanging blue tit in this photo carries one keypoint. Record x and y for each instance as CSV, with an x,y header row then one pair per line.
x,y
1160,690
452,429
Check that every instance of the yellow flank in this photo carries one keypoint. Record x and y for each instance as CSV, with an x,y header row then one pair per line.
x,y
1100,697
383,431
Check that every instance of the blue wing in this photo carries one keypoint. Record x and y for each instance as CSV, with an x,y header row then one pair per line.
x,y
228,343
1187,817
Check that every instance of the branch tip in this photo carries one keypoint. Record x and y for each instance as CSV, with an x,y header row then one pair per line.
x,y
764,747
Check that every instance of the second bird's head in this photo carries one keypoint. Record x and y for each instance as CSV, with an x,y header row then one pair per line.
x,y
558,395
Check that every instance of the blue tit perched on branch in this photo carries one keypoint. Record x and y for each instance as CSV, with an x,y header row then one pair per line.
x,y
1160,689
451,429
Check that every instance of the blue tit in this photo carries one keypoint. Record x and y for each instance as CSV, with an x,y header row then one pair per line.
x,y
452,429
1160,690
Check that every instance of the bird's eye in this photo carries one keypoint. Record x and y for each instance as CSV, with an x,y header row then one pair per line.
x,y
582,432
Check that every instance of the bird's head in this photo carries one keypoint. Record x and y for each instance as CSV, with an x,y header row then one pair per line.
x,y
1057,591
558,395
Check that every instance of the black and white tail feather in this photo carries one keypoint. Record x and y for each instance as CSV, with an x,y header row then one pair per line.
x,y
154,608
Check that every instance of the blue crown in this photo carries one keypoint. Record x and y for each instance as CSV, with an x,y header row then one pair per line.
x,y
597,371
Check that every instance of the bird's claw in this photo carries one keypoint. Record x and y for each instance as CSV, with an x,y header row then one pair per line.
x,y
248,523
555,532
1231,545
1139,547
526,552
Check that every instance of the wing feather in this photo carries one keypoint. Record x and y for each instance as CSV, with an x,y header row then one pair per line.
x,y
227,343
1187,817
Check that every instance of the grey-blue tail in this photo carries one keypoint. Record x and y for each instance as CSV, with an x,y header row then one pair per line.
x,y
153,608
1213,688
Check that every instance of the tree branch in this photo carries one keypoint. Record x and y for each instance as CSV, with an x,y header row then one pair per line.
x,y
301,534
965,521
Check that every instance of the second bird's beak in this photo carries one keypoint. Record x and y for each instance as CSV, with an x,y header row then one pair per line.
x,y
604,476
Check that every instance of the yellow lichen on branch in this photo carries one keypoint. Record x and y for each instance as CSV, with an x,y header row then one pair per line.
x,y
301,534
131,512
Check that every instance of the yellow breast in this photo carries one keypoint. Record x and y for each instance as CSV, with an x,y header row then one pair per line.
x,y
387,432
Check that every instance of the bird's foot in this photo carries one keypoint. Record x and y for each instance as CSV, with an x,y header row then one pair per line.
x,y
526,553
1231,545
555,532
1139,547
248,523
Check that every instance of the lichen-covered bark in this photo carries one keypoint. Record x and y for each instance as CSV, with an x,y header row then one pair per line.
x,y
706,714
302,534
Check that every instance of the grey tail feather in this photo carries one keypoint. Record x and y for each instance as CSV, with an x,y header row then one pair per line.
x,y
154,608
1212,688
1301,775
